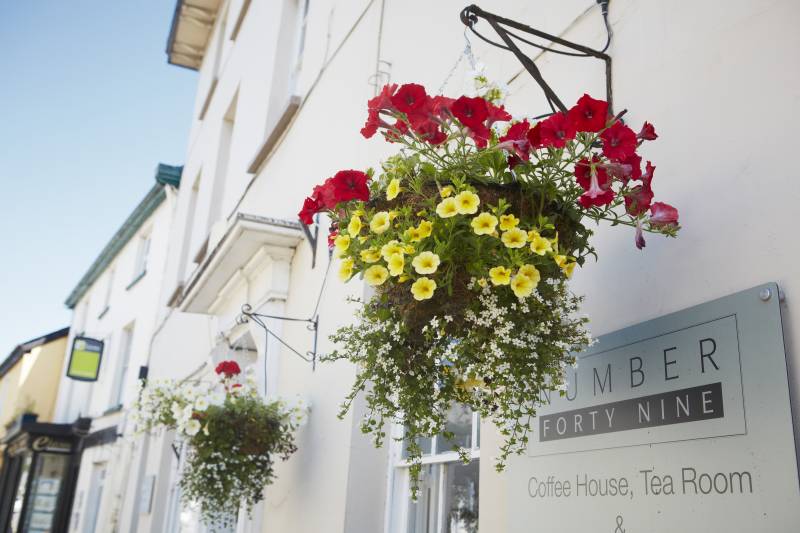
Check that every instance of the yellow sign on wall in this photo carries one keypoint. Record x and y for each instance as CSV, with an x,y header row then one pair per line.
x,y
84,360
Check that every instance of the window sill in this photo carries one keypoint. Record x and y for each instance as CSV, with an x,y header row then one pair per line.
x,y
277,132
103,313
135,280
113,409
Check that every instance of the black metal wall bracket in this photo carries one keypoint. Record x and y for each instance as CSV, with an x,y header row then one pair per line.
x,y
247,314
470,16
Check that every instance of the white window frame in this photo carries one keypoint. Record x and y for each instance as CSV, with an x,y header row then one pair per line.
x,y
142,254
125,350
397,503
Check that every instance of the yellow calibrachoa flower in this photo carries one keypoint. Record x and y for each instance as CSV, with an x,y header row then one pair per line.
x,y
376,275
447,208
346,269
530,272
403,278
370,255
380,222
425,228
393,215
423,288
409,249
514,238
413,235
342,243
446,191
522,286
482,282
500,275
470,384
484,224
355,225
426,263
362,239
508,221
396,263
467,203
540,245
393,189
566,266
391,248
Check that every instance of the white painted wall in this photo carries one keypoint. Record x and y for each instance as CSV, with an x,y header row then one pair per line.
x,y
718,79
128,305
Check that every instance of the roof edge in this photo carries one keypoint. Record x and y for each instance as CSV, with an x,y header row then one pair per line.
x,y
165,175
21,349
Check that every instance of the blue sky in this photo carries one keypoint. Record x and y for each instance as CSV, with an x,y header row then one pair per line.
x,y
88,108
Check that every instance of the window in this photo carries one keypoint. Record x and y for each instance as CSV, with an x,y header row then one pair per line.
x,y
107,299
140,266
447,501
121,368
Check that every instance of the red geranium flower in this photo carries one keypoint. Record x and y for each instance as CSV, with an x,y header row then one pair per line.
x,y
648,132
410,97
228,368
594,179
517,137
350,185
619,142
471,112
663,215
556,130
310,208
589,114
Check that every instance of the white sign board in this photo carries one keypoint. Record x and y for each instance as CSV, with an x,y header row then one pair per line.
x,y
682,423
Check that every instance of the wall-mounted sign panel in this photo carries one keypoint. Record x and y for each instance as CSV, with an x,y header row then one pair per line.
x,y
682,423
85,358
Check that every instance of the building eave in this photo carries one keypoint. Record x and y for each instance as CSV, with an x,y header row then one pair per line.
x,y
192,24
165,175
21,349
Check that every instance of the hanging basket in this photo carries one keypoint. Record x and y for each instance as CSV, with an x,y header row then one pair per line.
x,y
468,237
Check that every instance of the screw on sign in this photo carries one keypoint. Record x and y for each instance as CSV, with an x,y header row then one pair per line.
x,y
619,528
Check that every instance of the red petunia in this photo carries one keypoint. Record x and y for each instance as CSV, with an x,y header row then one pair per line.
x,y
663,215
619,142
372,123
428,130
384,99
589,114
534,136
441,106
496,114
310,208
325,195
350,185
517,138
480,134
638,200
228,368
648,132
594,179
409,98
471,112
647,177
556,130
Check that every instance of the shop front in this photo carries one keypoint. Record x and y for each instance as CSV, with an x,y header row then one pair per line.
x,y
40,467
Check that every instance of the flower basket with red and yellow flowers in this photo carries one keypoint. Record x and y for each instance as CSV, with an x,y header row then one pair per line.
x,y
469,235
